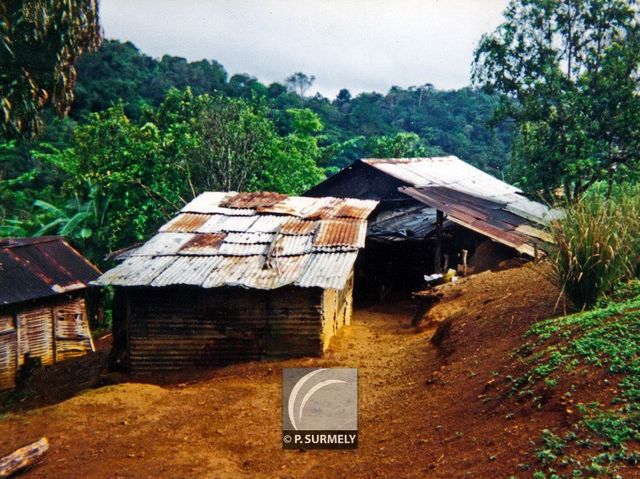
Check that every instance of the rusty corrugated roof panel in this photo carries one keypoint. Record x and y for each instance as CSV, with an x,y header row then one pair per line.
x,y
255,200
292,206
32,268
185,223
295,226
208,244
273,246
341,232
484,216
353,208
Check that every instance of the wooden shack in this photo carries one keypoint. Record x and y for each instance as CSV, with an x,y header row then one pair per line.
x,y
43,303
238,276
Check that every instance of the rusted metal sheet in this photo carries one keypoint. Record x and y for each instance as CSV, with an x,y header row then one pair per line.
x,y
353,208
480,215
292,206
340,232
33,268
35,335
72,334
264,250
185,223
252,200
205,244
8,359
295,226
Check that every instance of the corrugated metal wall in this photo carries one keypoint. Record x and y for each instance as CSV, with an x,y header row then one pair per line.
x,y
52,332
181,327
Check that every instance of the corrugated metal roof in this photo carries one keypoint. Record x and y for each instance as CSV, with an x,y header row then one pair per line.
x,y
453,173
164,244
309,242
186,223
341,232
414,222
32,268
486,217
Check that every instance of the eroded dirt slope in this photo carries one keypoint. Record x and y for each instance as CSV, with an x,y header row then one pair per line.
x,y
423,410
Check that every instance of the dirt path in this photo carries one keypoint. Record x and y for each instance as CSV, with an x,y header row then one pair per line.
x,y
421,414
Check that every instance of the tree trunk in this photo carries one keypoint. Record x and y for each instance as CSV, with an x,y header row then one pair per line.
x,y
22,458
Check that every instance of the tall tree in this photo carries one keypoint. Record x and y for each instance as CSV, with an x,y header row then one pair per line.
x,y
569,73
40,41
300,82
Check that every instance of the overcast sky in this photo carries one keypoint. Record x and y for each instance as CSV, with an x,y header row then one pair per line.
x,y
362,45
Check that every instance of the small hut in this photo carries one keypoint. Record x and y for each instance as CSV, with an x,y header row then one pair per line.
x,y
238,276
44,289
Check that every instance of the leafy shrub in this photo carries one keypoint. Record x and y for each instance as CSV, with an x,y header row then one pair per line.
x,y
598,243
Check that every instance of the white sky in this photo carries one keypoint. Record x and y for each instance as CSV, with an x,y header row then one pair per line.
x,y
362,45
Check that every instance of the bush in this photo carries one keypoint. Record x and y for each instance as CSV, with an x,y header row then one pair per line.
x,y
598,243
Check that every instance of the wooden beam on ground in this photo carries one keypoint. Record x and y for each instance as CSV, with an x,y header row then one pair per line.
x,y
23,458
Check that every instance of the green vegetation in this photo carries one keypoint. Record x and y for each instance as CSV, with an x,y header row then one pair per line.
x,y
144,136
567,71
599,350
598,242
39,45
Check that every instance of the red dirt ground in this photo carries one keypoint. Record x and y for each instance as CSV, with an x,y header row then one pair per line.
x,y
425,411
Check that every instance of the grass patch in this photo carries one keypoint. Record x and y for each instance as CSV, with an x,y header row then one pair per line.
x,y
562,351
598,243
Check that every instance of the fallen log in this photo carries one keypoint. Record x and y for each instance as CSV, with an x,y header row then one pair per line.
x,y
23,458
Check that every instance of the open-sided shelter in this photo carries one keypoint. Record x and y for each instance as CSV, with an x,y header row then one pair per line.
x,y
433,208
238,276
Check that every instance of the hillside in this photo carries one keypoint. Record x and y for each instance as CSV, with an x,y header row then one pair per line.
x,y
431,410
455,122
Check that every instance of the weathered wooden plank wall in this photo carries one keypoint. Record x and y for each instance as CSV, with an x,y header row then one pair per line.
x,y
51,331
181,327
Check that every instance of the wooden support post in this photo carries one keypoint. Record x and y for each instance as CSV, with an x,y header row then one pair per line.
x,y
437,264
464,262
22,458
